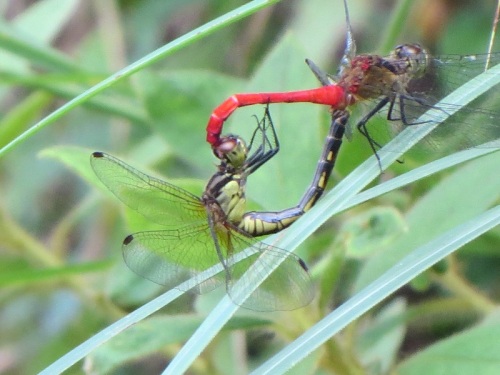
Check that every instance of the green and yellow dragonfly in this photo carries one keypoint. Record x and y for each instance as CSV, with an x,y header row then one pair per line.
x,y
201,232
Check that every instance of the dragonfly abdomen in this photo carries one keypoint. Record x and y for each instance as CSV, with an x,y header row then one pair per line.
x,y
326,161
262,223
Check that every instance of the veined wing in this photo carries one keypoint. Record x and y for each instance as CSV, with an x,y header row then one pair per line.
x,y
170,257
158,201
288,287
469,126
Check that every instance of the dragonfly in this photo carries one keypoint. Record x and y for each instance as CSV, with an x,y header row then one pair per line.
x,y
400,87
201,232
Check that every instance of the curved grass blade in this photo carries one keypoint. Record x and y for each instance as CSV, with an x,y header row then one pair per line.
x,y
404,271
160,53
82,350
335,201
338,199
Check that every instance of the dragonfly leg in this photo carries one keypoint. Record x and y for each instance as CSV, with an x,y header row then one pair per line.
x,y
269,146
374,145
262,223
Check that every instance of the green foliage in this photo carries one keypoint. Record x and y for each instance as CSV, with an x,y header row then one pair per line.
x,y
66,297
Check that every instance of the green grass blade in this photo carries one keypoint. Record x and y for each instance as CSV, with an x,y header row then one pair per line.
x,y
339,198
27,38
404,271
148,60
82,350
29,277
334,202
418,174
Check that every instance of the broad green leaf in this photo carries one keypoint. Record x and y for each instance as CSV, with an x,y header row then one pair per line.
x,y
366,233
474,351
78,159
379,344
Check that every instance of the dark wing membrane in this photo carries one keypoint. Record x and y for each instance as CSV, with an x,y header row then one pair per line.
x,y
158,201
288,287
171,257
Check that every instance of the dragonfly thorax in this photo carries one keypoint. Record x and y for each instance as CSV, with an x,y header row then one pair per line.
x,y
372,76
227,190
368,78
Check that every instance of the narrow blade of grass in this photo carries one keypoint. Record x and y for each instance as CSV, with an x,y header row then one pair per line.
x,y
144,62
404,271
334,202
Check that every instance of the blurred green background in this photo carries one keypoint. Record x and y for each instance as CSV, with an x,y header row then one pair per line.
x,y
61,273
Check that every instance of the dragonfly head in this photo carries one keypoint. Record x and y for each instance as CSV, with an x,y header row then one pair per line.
x,y
414,56
232,150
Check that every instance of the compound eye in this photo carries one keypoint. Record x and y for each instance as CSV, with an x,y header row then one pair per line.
x,y
416,57
225,146
397,51
231,149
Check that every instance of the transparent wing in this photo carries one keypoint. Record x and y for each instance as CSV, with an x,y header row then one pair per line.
x,y
475,125
455,70
171,257
288,287
158,201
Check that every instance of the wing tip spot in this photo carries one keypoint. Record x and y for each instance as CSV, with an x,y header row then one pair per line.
x,y
98,154
303,265
128,239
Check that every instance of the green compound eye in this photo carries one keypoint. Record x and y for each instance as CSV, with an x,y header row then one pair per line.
x,y
237,156
233,150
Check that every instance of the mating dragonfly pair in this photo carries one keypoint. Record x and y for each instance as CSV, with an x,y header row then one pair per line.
x,y
214,229
402,86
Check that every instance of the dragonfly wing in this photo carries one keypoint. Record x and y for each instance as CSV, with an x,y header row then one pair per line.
x,y
158,201
288,287
473,125
171,257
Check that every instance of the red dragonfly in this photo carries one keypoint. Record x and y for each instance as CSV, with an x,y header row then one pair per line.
x,y
404,84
